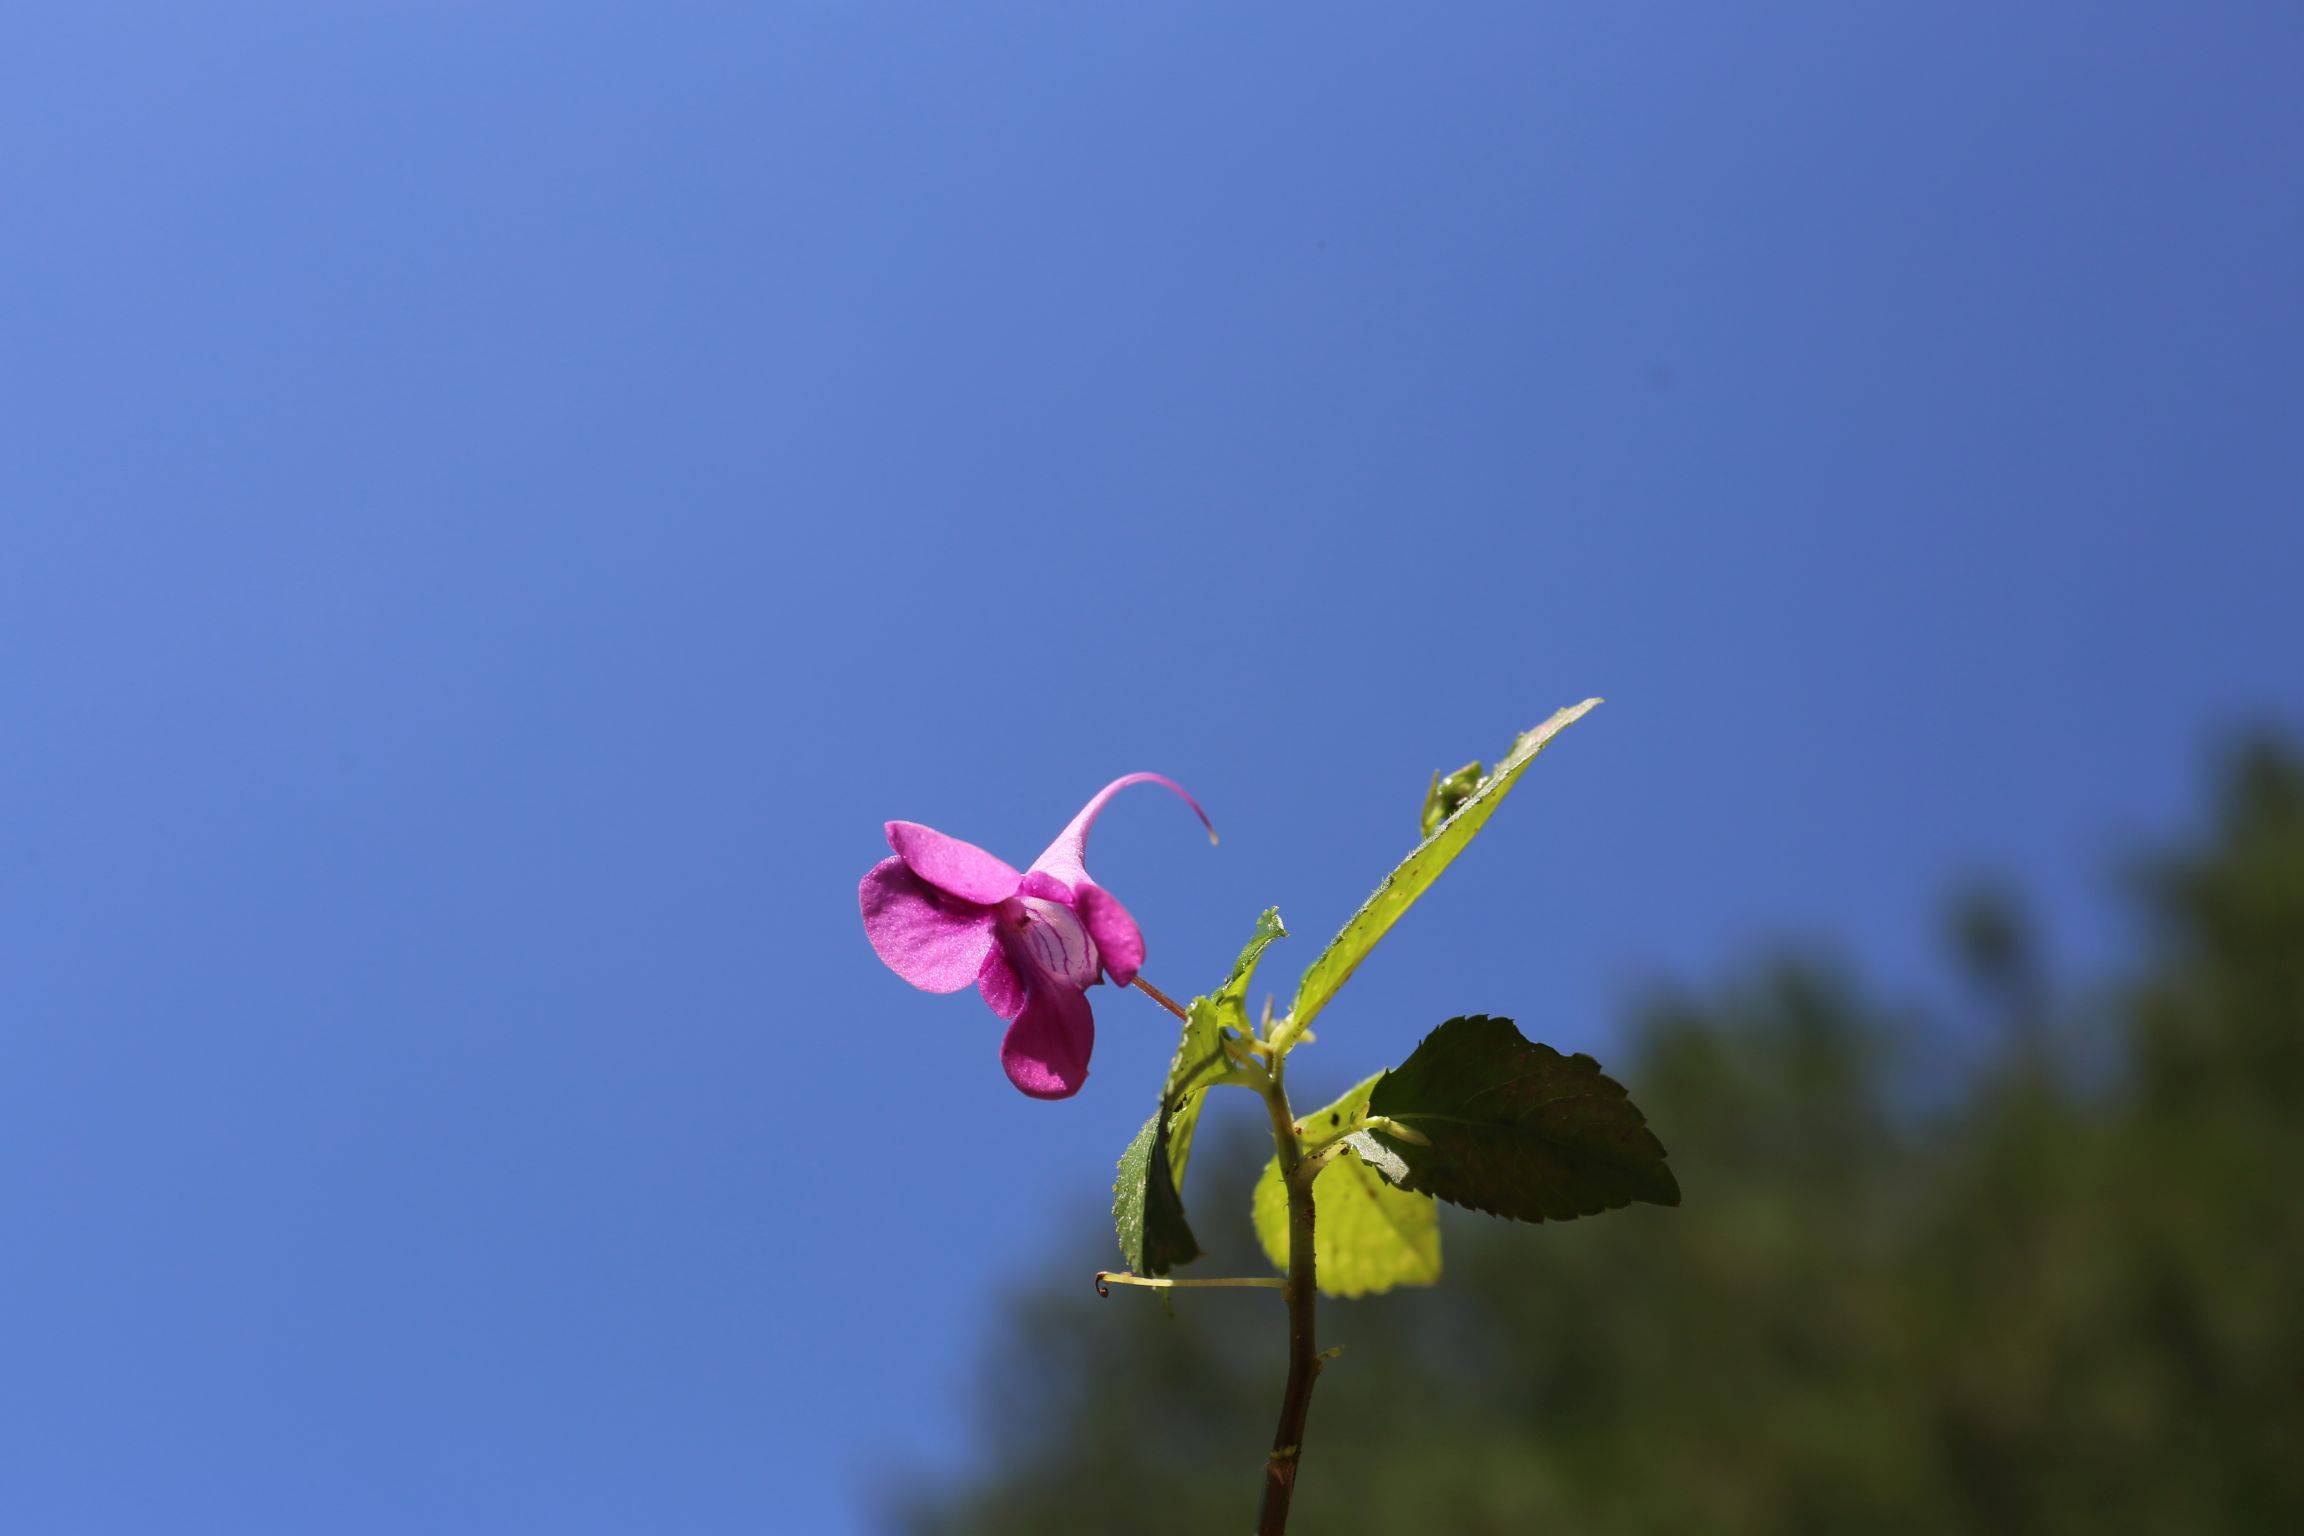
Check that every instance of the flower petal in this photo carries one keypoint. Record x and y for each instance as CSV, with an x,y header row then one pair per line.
x,y
1000,986
1065,855
932,941
1046,886
952,866
1046,1052
1119,942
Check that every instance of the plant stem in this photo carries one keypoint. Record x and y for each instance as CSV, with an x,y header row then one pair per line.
x,y
1160,997
1303,1356
1301,1286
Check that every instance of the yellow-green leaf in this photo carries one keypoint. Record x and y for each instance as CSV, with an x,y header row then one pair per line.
x,y
1147,1198
1367,1235
1416,873
1200,1058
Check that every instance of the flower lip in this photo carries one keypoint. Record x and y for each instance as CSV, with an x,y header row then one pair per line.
x,y
932,941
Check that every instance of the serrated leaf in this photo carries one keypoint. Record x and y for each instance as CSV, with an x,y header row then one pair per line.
x,y
1415,874
1199,1062
1516,1128
1147,1212
1233,995
1367,1236
1147,1199
1200,1058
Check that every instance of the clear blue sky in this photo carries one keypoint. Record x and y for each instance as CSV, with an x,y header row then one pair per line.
x,y
498,502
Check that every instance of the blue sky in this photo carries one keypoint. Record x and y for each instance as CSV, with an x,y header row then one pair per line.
x,y
498,502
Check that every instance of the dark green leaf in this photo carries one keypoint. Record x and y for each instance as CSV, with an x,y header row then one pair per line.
x,y
1416,873
1516,1128
1147,1213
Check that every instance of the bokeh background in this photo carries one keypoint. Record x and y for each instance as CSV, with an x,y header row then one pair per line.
x,y
498,502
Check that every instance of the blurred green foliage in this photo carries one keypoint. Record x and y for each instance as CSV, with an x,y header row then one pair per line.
x,y
2039,1273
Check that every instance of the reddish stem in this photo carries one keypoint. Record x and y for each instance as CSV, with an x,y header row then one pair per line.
x,y
1160,997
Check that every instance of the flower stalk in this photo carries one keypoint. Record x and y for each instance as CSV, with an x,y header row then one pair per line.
x,y
1158,996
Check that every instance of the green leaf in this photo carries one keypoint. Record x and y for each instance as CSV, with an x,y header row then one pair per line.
x,y
1367,1236
1233,995
1516,1128
1147,1212
1200,1060
1416,873
1147,1199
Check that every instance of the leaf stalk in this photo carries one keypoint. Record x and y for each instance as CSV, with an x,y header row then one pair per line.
x,y
1106,1278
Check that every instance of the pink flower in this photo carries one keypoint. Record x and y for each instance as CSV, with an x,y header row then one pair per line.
x,y
944,913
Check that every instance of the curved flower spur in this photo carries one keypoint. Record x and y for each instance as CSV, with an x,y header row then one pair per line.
x,y
943,914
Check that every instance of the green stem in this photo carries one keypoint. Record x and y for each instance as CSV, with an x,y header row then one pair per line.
x,y
1303,1354
1111,1277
